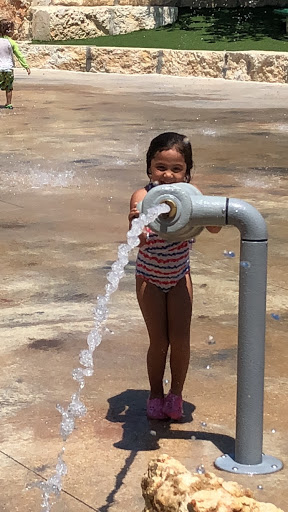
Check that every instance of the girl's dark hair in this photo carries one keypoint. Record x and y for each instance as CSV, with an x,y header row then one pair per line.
x,y
6,26
170,140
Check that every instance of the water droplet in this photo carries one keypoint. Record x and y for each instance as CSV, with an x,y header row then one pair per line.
x,y
86,358
193,438
273,431
260,487
229,254
275,316
200,469
166,381
152,432
234,468
203,424
274,466
208,367
245,264
211,340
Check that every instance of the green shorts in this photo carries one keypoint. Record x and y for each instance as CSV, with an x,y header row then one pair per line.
x,y
6,80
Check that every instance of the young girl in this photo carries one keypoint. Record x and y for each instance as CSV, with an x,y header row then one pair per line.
x,y
8,48
163,282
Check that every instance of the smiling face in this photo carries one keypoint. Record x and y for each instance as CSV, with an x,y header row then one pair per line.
x,y
168,166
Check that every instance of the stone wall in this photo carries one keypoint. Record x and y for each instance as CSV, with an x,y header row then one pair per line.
x,y
17,10
68,19
54,23
247,66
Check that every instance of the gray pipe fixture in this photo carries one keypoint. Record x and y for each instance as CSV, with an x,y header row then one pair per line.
x,y
189,212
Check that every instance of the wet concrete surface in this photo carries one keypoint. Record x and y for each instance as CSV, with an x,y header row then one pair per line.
x,y
72,152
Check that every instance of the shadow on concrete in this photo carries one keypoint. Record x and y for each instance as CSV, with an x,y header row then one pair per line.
x,y
119,481
141,434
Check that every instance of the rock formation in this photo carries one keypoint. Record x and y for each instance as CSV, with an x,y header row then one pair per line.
x,y
46,20
169,487
60,23
17,10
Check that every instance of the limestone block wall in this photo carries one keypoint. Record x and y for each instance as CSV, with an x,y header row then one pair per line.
x,y
17,10
60,23
95,3
22,11
257,66
178,3
250,66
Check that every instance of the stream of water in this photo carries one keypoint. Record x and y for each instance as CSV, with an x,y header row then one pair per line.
x,y
51,488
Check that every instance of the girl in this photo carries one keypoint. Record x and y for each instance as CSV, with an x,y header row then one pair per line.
x,y
163,281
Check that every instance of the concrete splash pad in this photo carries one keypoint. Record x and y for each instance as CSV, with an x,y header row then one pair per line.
x,y
73,151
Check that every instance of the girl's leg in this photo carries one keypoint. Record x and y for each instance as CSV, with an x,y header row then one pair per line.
x,y
152,302
179,312
8,97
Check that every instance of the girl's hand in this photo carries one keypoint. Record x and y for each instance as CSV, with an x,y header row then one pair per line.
x,y
143,238
133,214
213,229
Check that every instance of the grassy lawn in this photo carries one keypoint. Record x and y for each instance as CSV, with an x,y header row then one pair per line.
x,y
240,29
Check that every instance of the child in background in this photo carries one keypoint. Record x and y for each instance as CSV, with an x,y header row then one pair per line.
x,y
8,47
163,282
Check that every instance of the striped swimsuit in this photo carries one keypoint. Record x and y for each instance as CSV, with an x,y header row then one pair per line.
x,y
163,263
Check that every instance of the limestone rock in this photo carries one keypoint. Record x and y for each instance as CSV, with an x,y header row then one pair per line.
x,y
61,22
192,63
55,57
169,487
256,66
18,11
118,60
93,3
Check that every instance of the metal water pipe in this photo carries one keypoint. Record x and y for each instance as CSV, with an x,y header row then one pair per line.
x,y
190,212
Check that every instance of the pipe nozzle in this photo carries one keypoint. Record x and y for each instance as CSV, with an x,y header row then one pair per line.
x,y
172,206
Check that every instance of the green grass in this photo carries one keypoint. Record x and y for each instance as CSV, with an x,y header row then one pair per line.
x,y
217,29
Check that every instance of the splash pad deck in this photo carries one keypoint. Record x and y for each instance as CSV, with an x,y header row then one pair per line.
x,y
65,191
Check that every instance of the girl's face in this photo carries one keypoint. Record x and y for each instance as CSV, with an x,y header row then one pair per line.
x,y
168,167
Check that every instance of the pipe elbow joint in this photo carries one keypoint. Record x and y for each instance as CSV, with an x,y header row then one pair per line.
x,y
247,219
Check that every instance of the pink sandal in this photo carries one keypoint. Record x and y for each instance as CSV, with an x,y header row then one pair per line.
x,y
155,409
173,406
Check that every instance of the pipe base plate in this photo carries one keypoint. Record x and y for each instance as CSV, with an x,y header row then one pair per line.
x,y
269,464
